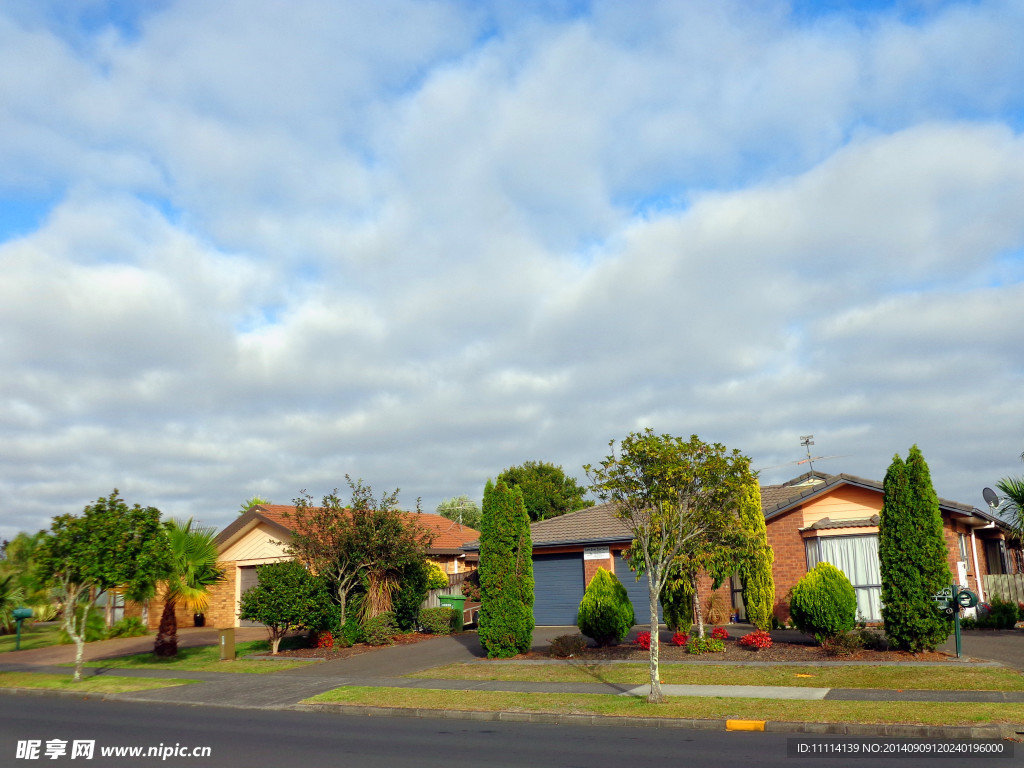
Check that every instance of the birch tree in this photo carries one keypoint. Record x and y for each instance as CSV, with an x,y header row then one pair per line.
x,y
674,496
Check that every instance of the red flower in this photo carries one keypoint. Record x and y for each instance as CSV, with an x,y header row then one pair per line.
x,y
324,640
680,639
758,639
720,632
643,639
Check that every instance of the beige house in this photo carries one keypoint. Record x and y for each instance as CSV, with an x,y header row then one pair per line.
x,y
261,535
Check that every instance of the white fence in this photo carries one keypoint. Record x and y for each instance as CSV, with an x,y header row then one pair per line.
x,y
1004,586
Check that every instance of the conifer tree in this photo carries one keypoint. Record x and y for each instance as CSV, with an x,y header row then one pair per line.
x,y
912,556
506,573
756,568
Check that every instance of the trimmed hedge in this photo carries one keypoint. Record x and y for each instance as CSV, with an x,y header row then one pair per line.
x,y
823,603
606,613
438,621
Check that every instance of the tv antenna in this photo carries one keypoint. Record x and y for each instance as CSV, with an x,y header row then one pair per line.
x,y
806,441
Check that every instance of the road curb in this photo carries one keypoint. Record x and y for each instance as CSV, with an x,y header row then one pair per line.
x,y
894,730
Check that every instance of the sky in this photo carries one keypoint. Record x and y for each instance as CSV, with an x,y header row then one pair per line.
x,y
249,247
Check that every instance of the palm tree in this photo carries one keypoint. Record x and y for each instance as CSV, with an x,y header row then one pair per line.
x,y
1013,501
11,597
193,571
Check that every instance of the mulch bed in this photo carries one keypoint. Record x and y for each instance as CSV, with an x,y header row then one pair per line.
x,y
345,653
779,651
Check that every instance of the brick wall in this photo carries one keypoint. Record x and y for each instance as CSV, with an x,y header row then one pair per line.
x,y
223,609
790,559
590,569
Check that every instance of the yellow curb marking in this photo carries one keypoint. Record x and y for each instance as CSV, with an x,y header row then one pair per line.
x,y
744,725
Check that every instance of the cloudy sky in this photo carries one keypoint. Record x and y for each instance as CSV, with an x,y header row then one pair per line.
x,y
251,246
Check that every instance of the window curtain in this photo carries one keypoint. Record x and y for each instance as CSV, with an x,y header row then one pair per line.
x,y
857,557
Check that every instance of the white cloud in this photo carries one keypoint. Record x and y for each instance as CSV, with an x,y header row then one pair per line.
x,y
420,242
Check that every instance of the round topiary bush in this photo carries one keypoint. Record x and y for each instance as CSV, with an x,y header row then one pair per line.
x,y
823,603
606,613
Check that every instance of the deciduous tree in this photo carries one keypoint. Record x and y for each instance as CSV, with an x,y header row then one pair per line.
x,y
462,509
675,496
368,539
912,556
288,597
547,490
109,545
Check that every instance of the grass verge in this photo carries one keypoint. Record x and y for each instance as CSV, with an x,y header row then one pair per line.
x,y
912,713
202,659
32,636
103,684
866,676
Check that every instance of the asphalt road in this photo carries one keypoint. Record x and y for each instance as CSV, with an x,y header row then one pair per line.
x,y
239,738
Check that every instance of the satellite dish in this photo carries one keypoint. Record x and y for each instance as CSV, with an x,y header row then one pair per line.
x,y
990,497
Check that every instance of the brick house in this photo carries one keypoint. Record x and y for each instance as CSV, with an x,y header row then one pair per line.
x,y
261,535
811,518
834,518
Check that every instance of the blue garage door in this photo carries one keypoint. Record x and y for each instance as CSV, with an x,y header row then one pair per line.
x,y
637,591
558,588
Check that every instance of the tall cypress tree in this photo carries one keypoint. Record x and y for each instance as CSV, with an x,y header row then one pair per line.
x,y
912,556
756,568
506,573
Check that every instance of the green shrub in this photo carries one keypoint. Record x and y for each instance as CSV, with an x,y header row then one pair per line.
x,y
1001,615
381,629
414,581
95,628
823,603
844,644
438,621
677,604
707,645
436,577
128,627
606,613
567,646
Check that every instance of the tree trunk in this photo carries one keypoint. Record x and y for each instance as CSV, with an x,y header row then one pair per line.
x,y
698,614
70,626
166,645
655,696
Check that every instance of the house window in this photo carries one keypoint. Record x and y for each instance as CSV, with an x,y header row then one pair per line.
x,y
962,541
857,557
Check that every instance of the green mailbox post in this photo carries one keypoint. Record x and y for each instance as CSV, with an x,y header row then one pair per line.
x,y
456,602
20,614
950,601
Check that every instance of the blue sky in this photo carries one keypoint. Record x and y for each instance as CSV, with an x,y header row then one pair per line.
x,y
250,247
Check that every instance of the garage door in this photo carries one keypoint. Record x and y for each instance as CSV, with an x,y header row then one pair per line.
x,y
558,588
246,581
637,591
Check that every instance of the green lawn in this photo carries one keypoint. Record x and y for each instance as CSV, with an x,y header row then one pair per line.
x,y
32,636
103,684
964,678
202,659
922,713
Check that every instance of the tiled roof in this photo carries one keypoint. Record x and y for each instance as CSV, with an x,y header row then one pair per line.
x,y
597,523
449,536
826,523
